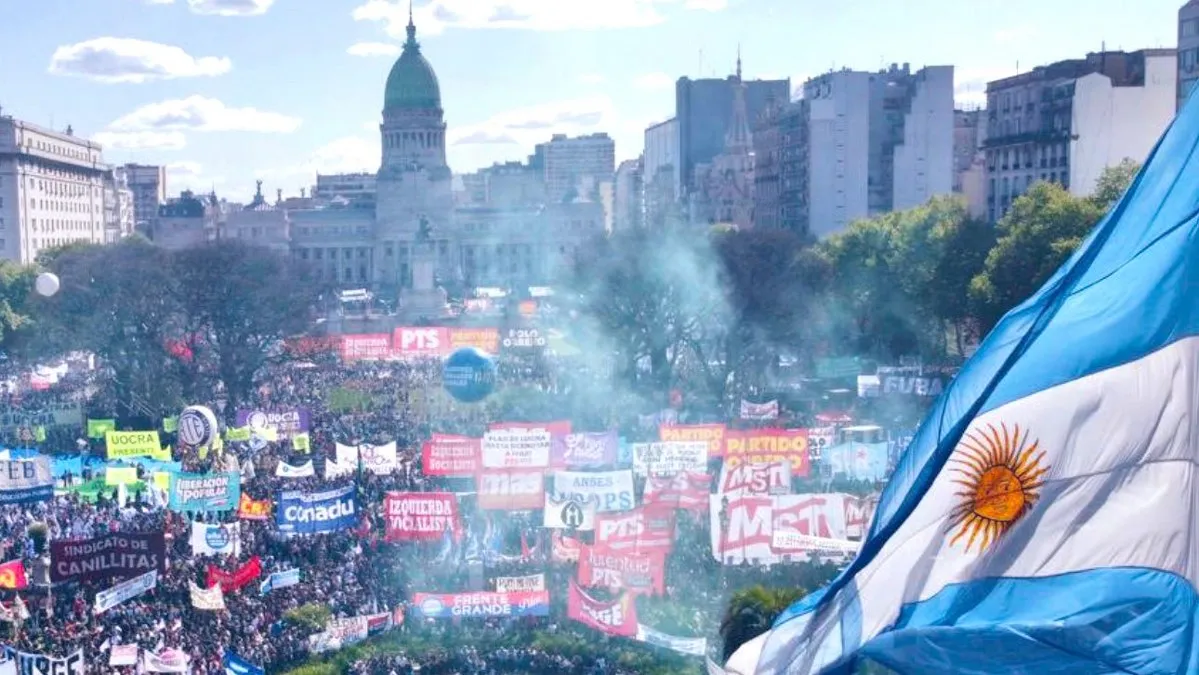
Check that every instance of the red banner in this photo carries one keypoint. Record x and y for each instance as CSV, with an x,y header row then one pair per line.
x,y
688,491
566,548
450,455
622,571
371,346
12,575
423,342
764,446
306,347
232,581
645,530
511,489
253,509
618,617
485,339
712,433
773,478
420,516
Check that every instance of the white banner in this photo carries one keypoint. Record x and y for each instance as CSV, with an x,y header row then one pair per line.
x,y
166,661
612,490
123,655
40,664
26,480
339,633
567,514
111,597
516,449
755,479
759,411
531,582
744,528
668,458
211,599
216,539
691,646
379,459
337,469
285,470
347,455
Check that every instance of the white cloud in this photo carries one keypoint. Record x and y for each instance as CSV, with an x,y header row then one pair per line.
x,y
592,78
654,82
197,113
535,124
372,127
187,175
230,7
223,7
543,15
970,84
141,140
111,59
349,154
373,49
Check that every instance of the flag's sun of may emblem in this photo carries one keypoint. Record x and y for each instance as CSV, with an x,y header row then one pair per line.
x,y
1000,475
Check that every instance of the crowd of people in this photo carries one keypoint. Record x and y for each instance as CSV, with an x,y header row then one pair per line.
x,y
350,572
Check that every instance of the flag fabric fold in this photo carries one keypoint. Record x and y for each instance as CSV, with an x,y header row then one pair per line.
x,y
1040,521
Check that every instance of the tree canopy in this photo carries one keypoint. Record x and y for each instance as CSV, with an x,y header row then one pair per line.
x,y
166,326
716,311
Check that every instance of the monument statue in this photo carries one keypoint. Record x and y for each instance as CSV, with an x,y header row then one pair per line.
x,y
425,231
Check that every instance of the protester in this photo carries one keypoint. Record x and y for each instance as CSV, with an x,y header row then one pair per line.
x,y
352,572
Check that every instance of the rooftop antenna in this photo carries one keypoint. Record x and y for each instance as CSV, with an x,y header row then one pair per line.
x,y
701,62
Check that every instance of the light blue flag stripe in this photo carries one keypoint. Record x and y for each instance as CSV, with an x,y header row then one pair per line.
x,y
1131,289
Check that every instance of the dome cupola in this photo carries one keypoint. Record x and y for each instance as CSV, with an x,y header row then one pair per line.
x,y
412,84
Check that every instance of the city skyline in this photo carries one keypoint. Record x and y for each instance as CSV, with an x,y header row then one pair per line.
x,y
222,92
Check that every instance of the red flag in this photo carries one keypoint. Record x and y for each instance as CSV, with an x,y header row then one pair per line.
x,y
12,575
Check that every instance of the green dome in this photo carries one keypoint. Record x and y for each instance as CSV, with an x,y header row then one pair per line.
x,y
412,84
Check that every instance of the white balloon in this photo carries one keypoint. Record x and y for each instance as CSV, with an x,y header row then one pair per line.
x,y
46,284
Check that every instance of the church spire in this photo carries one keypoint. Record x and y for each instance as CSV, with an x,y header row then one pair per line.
x,y
411,28
738,139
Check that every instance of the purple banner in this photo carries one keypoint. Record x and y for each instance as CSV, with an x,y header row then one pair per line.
x,y
289,422
587,449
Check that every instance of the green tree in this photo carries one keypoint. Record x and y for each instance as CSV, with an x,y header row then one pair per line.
x,y
16,285
1041,230
641,290
751,612
119,302
1113,182
238,303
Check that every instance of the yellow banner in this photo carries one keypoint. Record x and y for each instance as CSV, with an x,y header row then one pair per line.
x,y
115,475
133,444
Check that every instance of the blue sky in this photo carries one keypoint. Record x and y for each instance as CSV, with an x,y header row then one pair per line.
x,y
227,91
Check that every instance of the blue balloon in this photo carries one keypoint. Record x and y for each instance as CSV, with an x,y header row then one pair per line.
x,y
469,375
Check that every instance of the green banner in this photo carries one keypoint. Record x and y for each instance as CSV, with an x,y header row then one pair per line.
x,y
97,428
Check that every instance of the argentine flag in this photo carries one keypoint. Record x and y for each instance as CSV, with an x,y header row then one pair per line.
x,y
1043,519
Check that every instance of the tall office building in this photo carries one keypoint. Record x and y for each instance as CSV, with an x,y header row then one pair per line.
x,y
629,196
51,189
1188,49
582,162
872,143
1070,120
704,114
148,183
660,172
